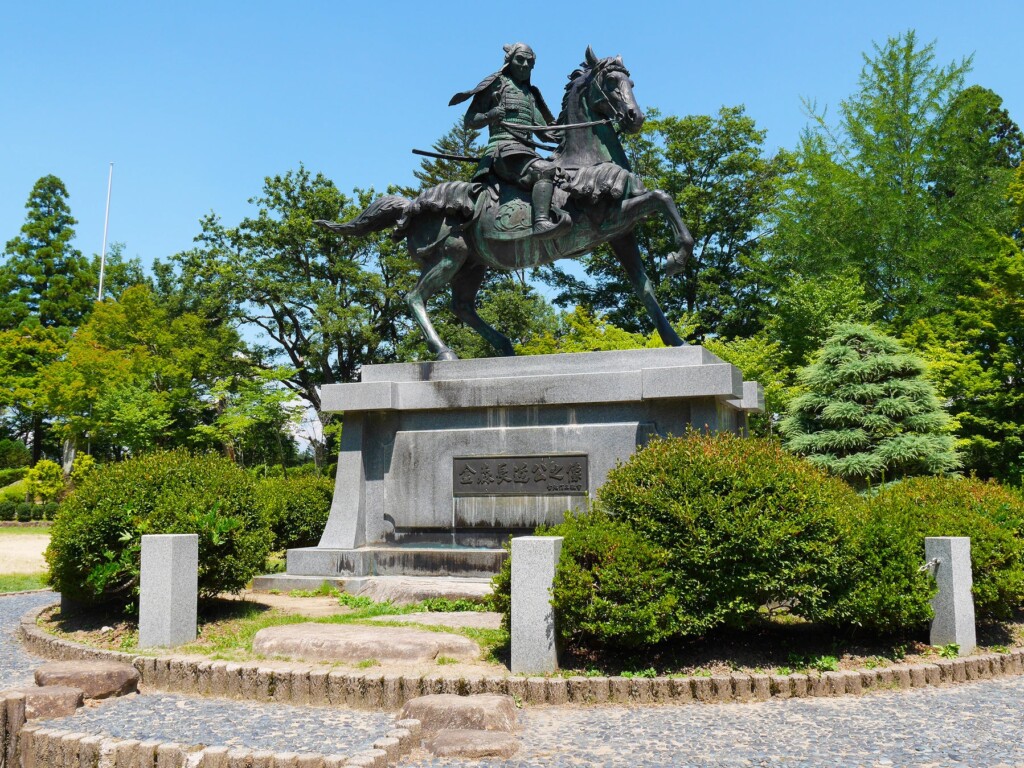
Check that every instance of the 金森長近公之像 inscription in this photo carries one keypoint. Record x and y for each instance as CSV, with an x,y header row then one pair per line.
x,y
520,475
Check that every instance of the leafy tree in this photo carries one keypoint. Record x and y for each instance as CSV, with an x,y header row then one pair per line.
x,y
862,196
327,305
725,185
581,331
868,414
134,378
25,350
43,276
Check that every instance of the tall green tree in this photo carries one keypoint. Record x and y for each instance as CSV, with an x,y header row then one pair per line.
x,y
43,275
459,141
326,306
135,378
862,198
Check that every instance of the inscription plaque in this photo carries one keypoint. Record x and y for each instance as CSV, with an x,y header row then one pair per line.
x,y
562,475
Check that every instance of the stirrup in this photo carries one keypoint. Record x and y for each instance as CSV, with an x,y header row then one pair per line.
x,y
545,228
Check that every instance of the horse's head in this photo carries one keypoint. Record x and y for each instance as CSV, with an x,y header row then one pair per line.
x,y
610,91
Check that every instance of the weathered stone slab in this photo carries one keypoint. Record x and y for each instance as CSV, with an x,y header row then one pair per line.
x,y
483,712
97,679
472,745
354,643
48,702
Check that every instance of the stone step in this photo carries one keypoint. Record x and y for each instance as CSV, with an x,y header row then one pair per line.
x,y
395,561
401,590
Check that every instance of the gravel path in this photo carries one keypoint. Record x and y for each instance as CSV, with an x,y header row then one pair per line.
x,y
218,722
16,665
977,725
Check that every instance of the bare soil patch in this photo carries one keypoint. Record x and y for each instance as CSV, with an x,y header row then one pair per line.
x,y
21,551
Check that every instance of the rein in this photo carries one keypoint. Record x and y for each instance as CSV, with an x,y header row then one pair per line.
x,y
573,126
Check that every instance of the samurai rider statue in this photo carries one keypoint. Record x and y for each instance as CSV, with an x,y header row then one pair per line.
x,y
501,101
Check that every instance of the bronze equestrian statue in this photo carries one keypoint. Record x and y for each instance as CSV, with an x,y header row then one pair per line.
x,y
587,195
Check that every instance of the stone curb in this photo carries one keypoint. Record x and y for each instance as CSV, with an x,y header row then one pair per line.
x,y
32,745
321,686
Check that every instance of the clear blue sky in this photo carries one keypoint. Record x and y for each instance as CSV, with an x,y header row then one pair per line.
x,y
196,102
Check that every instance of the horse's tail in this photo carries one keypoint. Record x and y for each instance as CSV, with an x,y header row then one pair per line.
x,y
382,213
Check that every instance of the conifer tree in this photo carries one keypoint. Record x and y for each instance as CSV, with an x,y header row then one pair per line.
x,y
868,414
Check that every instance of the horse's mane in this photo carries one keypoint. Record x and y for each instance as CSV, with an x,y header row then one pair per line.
x,y
581,77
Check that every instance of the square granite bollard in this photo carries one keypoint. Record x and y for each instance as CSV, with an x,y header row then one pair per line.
x,y
168,592
954,604
533,618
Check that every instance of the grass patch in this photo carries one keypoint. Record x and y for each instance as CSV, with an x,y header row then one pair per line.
x,y
226,627
21,582
25,530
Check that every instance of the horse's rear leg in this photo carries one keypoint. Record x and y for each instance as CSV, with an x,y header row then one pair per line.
x,y
628,254
465,286
435,277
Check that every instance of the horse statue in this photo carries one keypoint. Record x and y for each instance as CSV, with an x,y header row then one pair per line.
x,y
458,230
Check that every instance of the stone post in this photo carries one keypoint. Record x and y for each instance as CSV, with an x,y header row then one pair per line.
x,y
954,604
533,618
169,590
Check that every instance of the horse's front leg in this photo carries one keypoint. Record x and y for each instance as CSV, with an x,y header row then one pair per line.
x,y
628,254
658,201
436,275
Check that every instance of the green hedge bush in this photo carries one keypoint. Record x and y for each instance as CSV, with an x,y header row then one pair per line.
x,y
698,532
8,510
45,480
296,508
889,593
94,549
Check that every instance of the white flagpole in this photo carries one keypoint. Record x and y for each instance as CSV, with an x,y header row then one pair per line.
x,y
106,222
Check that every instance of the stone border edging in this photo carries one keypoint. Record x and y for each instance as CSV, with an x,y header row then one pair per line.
x,y
33,745
309,684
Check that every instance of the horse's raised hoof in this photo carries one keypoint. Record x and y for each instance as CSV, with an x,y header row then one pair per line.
x,y
446,355
675,264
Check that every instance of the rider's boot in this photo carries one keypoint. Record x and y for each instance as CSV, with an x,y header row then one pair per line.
x,y
543,226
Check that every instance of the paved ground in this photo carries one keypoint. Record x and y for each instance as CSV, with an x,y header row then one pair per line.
x,y
977,725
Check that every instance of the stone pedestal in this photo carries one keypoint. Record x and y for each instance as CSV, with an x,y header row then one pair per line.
x,y
441,462
169,590
954,603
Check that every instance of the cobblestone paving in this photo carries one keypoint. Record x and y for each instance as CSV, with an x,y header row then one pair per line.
x,y
16,665
976,725
218,722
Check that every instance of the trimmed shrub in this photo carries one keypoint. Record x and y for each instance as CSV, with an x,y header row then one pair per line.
x,y
698,532
23,511
8,510
8,476
296,508
45,480
889,592
49,510
82,467
94,549
868,412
